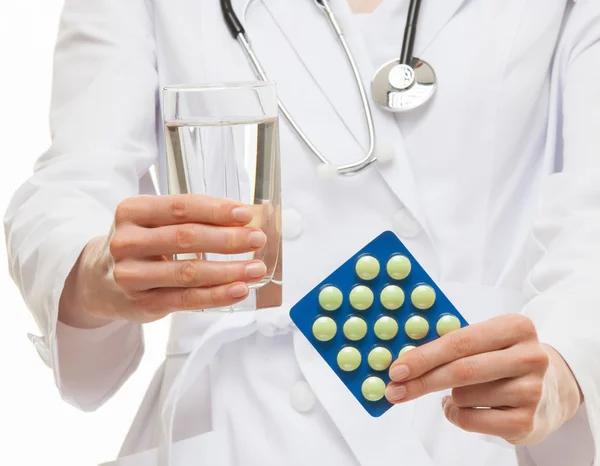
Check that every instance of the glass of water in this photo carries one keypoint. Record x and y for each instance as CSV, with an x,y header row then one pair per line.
x,y
222,141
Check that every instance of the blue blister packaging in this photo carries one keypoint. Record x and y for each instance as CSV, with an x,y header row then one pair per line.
x,y
378,303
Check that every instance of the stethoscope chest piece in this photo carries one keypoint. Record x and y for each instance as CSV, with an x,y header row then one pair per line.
x,y
398,87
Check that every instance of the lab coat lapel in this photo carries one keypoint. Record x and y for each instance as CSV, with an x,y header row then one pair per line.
x,y
398,174
308,33
434,15
318,49
389,439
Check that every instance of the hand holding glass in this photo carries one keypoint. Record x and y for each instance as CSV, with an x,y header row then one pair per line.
x,y
222,141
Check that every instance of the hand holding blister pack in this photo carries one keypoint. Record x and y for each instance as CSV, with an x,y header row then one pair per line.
x,y
377,305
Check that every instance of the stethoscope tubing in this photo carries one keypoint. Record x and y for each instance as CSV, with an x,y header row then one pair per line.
x,y
410,32
238,32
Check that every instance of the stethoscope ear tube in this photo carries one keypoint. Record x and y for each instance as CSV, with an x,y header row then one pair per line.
x,y
408,43
399,85
233,23
237,31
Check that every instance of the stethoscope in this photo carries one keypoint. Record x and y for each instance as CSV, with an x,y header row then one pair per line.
x,y
400,85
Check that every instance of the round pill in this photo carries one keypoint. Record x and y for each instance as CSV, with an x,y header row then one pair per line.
x,y
423,297
398,267
373,388
416,327
330,298
324,328
392,297
355,328
349,359
361,297
447,324
380,358
367,267
406,349
386,328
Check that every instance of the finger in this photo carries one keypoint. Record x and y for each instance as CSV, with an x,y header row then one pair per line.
x,y
160,300
133,241
509,424
494,334
480,368
513,393
153,211
146,275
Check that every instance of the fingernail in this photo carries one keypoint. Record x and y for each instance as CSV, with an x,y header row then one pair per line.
x,y
238,291
256,270
241,214
394,393
398,373
257,239
444,401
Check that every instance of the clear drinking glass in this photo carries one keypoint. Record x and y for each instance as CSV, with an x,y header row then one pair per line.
x,y
222,140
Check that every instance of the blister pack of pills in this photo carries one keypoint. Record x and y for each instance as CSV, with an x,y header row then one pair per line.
x,y
377,305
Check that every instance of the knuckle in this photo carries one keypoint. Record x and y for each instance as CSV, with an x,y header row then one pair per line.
x,y
462,419
118,244
464,370
213,212
524,423
524,326
186,274
214,297
423,362
536,359
146,302
218,211
461,344
460,396
532,390
135,294
186,236
179,207
541,360
122,274
422,385
225,274
125,210
188,298
115,246
229,239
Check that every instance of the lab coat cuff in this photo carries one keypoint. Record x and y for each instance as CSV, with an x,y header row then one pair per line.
x,y
580,436
89,365
94,363
61,249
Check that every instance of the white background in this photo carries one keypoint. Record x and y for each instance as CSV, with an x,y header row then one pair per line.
x,y
36,426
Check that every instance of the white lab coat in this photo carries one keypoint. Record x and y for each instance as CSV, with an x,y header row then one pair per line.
x,y
493,187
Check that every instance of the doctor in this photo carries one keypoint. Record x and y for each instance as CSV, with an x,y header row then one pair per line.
x,y
493,186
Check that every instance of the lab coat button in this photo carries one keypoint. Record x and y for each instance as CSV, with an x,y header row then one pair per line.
x,y
405,224
292,223
302,397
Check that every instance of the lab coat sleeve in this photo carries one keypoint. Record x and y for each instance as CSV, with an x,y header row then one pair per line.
x,y
103,128
563,289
